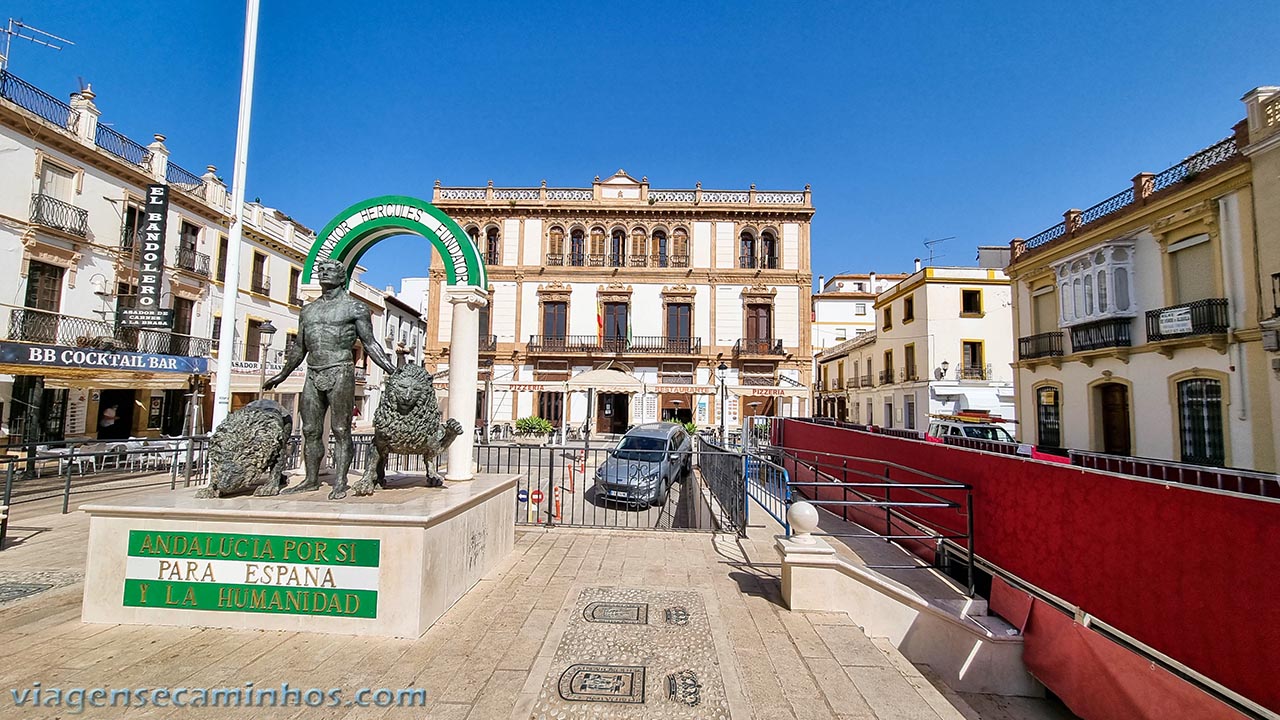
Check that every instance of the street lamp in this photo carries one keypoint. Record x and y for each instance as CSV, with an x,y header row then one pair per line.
x,y
265,332
721,369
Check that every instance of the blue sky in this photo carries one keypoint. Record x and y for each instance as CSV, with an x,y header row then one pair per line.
x,y
911,120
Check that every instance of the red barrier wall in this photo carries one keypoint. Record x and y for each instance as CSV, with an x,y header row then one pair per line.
x,y
1192,573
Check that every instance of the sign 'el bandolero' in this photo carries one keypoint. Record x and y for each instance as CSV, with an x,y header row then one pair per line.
x,y
148,312
12,353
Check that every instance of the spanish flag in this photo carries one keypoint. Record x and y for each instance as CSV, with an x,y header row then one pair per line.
x,y
599,320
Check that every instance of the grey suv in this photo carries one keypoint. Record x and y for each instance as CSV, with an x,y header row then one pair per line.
x,y
645,464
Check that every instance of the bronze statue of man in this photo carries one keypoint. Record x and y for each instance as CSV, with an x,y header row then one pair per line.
x,y
327,330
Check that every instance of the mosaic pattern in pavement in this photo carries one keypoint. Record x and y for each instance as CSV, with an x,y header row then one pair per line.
x,y
16,585
634,653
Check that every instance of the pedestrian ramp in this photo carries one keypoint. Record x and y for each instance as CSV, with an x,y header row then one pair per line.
x,y
892,596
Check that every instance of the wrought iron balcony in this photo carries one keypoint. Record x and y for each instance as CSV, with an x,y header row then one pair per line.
x,y
260,284
555,259
1101,334
679,261
746,261
972,372
489,343
886,377
868,380
638,261
40,326
53,213
757,346
769,262
576,259
1201,317
910,374
192,261
1047,344
594,345
491,257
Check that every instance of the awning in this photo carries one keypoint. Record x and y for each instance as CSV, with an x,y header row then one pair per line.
x,y
605,380
136,382
769,391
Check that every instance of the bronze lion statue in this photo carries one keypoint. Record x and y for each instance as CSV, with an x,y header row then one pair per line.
x,y
407,421
249,451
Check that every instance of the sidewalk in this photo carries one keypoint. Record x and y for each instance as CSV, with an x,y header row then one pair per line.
x,y
495,653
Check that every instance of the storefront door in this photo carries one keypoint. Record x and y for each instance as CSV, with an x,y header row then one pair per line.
x,y
612,412
115,414
1115,418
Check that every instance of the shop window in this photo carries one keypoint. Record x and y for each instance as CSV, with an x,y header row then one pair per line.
x,y
1049,417
1200,422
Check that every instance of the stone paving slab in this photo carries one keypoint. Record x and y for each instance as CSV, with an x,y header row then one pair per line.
x,y
501,639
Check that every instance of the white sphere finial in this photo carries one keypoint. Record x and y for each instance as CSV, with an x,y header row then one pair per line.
x,y
803,518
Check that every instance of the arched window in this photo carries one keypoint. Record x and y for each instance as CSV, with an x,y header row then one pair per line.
x,y
660,249
617,248
768,250
680,248
555,245
492,246
639,247
1200,430
577,248
597,246
746,250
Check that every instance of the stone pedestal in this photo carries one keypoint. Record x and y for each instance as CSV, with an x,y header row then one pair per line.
x,y
390,564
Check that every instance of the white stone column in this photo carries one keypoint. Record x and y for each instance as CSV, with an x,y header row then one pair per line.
x,y
464,367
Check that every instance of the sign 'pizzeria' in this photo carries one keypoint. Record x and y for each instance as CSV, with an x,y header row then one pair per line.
x,y
252,573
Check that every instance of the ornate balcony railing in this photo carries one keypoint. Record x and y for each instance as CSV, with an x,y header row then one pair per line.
x,y
193,261
759,379
769,262
868,380
638,261
696,196
615,259
555,259
40,326
1201,317
576,259
54,213
29,97
1047,344
910,374
1187,170
260,284
757,346
184,180
121,146
678,261
746,261
1102,334
488,343
594,344
886,377
973,372
492,257
595,260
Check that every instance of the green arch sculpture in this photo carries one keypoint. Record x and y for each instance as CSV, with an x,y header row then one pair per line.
x,y
349,235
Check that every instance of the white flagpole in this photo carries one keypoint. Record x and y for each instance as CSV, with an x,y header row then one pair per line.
x,y
231,283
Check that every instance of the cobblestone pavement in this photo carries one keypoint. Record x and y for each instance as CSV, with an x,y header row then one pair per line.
x,y
491,655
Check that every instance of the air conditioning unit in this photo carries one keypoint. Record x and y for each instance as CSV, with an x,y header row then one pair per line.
x,y
1271,340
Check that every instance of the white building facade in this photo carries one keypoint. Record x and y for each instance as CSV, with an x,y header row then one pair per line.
x,y
73,226
944,343
844,306
662,285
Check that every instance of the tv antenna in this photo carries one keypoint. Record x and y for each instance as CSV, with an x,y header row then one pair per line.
x,y
930,243
19,29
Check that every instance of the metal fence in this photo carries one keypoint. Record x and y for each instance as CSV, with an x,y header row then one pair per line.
x,y
918,510
724,472
34,473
